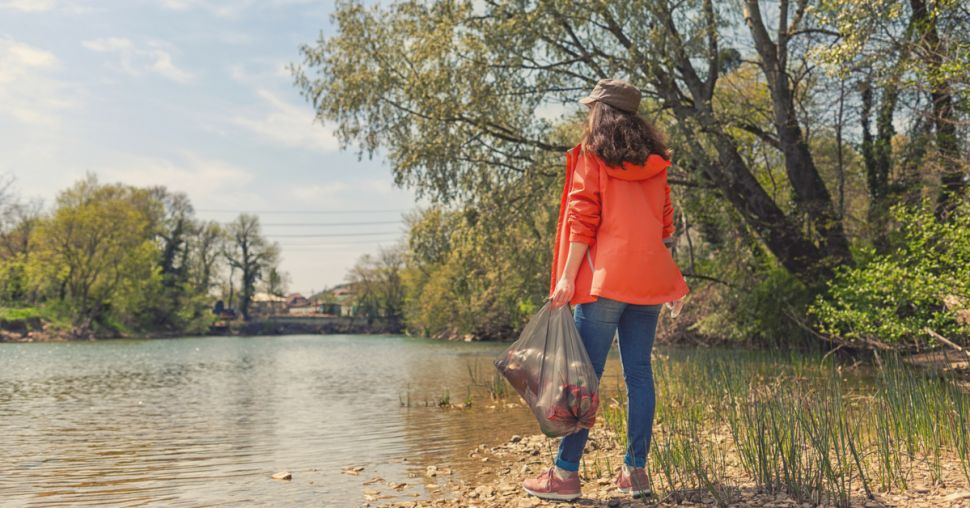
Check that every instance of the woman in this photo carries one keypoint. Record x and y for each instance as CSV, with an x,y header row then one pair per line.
x,y
612,262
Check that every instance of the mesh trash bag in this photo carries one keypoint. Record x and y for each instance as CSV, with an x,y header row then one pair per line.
x,y
550,369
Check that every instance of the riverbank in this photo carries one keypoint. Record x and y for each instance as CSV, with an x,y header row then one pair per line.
x,y
36,329
497,483
738,428
32,329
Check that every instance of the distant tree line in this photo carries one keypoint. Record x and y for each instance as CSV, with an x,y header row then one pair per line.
x,y
812,140
109,259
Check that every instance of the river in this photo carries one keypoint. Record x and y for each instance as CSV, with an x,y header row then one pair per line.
x,y
207,421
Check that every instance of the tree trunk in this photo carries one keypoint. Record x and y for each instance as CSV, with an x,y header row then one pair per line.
x,y
730,174
877,156
811,195
954,178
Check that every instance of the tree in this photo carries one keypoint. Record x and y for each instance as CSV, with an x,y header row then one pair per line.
x,y
174,225
252,254
18,220
207,247
466,274
378,285
778,166
912,50
95,253
276,282
450,89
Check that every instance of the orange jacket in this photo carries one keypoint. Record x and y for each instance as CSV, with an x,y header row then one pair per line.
x,y
623,214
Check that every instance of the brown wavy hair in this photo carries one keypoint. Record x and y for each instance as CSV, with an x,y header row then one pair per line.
x,y
617,136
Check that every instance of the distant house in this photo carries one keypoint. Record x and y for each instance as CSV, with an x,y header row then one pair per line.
x,y
266,304
297,300
338,301
299,305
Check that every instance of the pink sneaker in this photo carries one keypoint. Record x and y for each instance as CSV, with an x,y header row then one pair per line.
x,y
549,486
635,482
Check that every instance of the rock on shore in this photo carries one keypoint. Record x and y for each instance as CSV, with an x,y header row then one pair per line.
x,y
503,468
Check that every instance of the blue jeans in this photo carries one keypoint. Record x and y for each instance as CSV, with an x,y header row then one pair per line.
x,y
597,323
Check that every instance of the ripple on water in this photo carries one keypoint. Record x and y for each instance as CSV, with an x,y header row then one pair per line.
x,y
206,421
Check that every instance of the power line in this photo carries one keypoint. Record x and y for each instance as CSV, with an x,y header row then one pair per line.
x,y
288,224
332,235
338,250
339,243
217,210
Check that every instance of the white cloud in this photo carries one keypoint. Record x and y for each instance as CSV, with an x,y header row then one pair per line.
x,y
28,5
348,194
135,60
213,182
221,9
17,57
229,9
107,44
320,192
284,123
164,66
29,90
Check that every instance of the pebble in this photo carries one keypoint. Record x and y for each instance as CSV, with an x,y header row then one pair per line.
x,y
353,470
957,496
522,456
283,475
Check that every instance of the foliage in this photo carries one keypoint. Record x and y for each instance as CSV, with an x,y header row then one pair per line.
x,y
14,284
778,175
379,286
19,313
95,253
894,297
874,33
451,90
112,259
763,312
252,254
276,282
470,276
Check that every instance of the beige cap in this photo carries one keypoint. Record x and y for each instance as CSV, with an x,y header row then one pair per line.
x,y
616,93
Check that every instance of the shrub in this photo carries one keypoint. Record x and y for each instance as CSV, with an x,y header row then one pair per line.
x,y
922,281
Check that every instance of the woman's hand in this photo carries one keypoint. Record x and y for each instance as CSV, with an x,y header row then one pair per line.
x,y
675,307
563,292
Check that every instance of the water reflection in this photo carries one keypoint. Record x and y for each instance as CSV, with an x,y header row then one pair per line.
x,y
206,421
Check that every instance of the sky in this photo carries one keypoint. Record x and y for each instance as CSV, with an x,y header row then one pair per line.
x,y
193,95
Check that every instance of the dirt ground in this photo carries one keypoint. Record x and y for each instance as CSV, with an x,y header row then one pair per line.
x,y
505,466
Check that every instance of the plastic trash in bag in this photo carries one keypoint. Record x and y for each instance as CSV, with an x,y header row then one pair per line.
x,y
550,369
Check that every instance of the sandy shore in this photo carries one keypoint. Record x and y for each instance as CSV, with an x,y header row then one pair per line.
x,y
503,467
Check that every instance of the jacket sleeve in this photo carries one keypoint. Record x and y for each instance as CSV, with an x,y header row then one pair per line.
x,y
668,216
583,208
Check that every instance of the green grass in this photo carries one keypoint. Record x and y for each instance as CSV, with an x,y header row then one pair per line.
x,y
20,313
815,430
490,382
818,432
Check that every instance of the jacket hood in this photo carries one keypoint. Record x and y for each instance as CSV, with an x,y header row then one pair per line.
x,y
653,166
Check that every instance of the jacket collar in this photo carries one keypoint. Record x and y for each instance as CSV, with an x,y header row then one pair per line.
x,y
653,166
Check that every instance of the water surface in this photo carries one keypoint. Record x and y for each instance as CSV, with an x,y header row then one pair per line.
x,y
207,421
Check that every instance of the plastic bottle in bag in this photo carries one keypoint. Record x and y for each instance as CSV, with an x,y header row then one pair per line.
x,y
549,367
